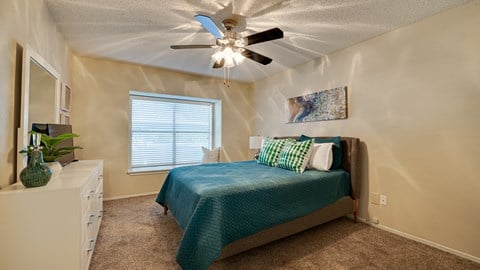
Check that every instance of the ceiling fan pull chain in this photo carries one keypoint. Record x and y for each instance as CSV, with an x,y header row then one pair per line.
x,y
226,76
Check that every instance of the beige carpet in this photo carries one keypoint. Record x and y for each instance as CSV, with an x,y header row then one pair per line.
x,y
136,235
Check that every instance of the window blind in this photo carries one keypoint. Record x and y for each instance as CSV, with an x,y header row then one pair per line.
x,y
168,132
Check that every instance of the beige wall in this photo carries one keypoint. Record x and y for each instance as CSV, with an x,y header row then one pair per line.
x,y
414,100
23,22
100,115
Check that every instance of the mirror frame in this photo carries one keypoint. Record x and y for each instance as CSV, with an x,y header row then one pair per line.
x,y
22,134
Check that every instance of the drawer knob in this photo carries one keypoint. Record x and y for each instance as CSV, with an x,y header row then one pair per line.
x,y
91,219
91,245
92,192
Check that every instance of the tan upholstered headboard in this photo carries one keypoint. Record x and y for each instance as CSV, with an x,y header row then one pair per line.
x,y
350,161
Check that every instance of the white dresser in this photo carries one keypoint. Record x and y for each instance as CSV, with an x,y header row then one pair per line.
x,y
53,227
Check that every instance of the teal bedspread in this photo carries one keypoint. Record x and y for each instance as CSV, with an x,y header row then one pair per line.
x,y
216,204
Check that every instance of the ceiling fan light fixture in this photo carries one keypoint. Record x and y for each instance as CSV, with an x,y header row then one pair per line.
x,y
228,55
238,57
217,56
231,56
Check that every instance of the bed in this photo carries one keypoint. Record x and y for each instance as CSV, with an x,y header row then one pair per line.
x,y
227,208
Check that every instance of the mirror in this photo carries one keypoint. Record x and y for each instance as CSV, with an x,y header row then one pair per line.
x,y
40,98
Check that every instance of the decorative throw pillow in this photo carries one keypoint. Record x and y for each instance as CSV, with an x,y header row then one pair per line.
x,y
258,152
336,149
321,158
211,156
295,155
269,152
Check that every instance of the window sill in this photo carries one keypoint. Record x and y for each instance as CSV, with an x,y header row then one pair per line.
x,y
138,173
154,170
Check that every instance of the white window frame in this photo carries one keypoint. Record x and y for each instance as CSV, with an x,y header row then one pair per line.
x,y
216,132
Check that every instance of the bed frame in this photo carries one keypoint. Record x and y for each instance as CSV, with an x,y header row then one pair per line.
x,y
343,206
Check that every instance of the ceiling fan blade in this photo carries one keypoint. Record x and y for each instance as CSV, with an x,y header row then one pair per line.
x,y
274,33
210,25
219,65
176,47
256,57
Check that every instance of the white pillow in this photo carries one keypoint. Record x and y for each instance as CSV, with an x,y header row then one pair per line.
x,y
321,157
307,158
211,156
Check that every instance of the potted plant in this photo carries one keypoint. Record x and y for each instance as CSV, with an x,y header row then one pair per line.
x,y
52,150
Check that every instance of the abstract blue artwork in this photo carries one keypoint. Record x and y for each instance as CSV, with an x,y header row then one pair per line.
x,y
324,105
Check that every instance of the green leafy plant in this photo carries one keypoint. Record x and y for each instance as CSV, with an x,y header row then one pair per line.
x,y
51,148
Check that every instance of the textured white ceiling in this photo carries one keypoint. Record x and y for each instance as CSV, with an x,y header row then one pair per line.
x,y
141,31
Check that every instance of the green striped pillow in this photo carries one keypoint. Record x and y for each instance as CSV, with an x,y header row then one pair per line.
x,y
294,155
269,152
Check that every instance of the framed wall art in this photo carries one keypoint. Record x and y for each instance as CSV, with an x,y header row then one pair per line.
x,y
65,96
64,118
323,105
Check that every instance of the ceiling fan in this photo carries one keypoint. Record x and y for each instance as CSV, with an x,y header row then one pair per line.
x,y
230,46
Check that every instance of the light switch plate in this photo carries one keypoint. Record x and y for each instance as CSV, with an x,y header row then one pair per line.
x,y
383,199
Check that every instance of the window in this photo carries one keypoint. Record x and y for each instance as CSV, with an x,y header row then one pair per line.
x,y
168,131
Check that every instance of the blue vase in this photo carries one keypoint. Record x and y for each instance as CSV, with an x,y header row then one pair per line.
x,y
36,174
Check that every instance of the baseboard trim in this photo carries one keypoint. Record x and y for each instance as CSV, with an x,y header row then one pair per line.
x,y
419,239
129,196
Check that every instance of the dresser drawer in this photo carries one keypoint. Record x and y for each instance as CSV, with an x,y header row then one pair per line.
x,y
91,224
89,194
99,200
86,253
94,212
88,220
90,227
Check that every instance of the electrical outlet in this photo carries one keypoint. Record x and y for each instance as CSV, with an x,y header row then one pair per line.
x,y
383,199
374,198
